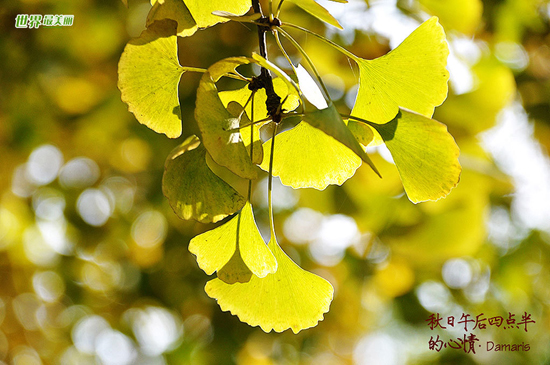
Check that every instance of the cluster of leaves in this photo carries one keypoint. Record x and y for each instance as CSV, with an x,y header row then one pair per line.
x,y
316,146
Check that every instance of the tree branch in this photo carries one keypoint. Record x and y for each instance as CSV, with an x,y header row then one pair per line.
x,y
265,81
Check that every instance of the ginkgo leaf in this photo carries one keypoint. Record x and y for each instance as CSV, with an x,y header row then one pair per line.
x,y
426,155
202,10
329,121
290,298
148,77
194,14
219,128
215,248
193,190
175,10
317,11
260,111
306,157
412,76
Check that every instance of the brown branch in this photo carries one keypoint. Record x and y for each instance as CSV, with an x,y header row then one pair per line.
x,y
265,80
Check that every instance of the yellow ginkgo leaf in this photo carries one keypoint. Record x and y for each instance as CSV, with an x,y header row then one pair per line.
x,y
425,154
219,128
290,298
175,10
194,14
412,76
202,10
193,190
148,76
306,157
215,248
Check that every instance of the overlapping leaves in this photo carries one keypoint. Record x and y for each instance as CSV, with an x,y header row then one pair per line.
x,y
397,96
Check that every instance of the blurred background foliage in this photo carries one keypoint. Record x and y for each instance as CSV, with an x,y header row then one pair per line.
x,y
94,266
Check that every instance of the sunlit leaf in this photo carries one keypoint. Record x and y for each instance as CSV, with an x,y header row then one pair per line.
x,y
202,10
215,248
148,77
329,121
425,154
412,76
175,10
317,11
219,128
306,157
290,298
125,2
193,190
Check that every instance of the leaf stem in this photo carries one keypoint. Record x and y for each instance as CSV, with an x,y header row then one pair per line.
x,y
251,139
279,8
285,54
303,52
359,120
270,182
324,39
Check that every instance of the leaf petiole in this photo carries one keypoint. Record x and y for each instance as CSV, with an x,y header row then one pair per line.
x,y
324,39
303,52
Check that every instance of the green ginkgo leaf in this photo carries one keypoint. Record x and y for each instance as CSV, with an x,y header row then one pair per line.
x,y
194,14
148,76
425,153
317,11
412,76
215,248
219,128
193,190
175,10
306,157
289,298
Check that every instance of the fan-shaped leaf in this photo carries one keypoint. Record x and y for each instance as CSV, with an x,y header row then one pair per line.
x,y
215,248
289,298
219,128
425,154
329,121
194,14
193,190
202,10
177,11
412,76
306,157
148,77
